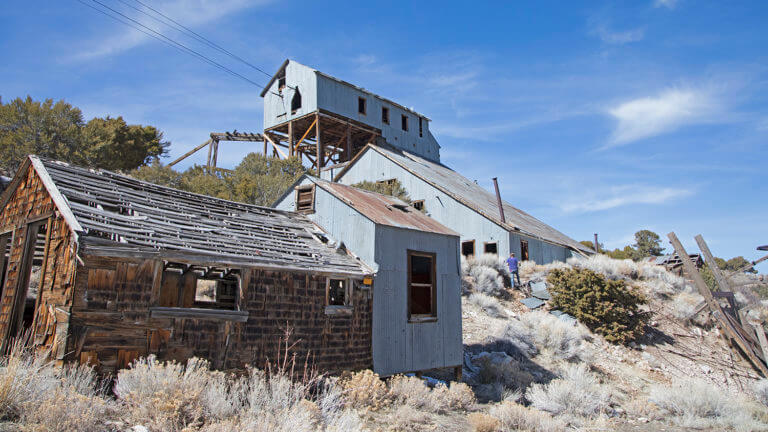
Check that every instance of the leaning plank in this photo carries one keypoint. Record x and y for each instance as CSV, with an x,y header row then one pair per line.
x,y
199,313
717,311
189,153
713,267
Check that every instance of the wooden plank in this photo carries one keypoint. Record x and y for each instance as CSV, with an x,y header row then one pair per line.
x,y
314,123
56,196
713,267
717,311
215,153
189,153
277,149
291,150
761,338
199,313
320,149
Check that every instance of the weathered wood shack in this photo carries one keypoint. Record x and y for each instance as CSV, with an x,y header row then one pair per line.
x,y
417,300
102,268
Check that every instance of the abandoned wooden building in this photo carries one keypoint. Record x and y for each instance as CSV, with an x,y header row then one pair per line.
x,y
462,205
326,121
361,136
102,268
417,299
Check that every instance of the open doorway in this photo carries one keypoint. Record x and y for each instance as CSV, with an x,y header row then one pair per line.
x,y
31,277
524,250
5,256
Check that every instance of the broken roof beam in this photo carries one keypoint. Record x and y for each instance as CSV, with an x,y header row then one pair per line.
x,y
236,136
190,153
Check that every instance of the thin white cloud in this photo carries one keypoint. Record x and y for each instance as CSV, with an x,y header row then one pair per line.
x,y
620,196
191,13
669,4
650,116
618,37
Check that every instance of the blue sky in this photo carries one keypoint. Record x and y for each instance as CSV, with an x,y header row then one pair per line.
x,y
596,117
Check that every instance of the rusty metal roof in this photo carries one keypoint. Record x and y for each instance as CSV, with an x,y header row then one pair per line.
x,y
383,209
472,195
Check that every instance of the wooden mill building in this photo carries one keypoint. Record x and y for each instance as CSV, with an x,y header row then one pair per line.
x,y
417,295
102,268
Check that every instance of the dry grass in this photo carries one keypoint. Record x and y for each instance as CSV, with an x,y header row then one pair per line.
x,y
513,416
577,392
482,422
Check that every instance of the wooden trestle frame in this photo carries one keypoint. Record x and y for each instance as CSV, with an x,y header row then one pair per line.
x,y
335,138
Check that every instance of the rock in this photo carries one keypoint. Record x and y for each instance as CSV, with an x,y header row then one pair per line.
x,y
706,369
139,428
642,420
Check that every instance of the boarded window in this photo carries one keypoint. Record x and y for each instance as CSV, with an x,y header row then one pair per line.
x,y
491,248
305,199
385,115
336,292
296,101
404,122
468,248
186,286
361,105
421,128
422,288
418,205
523,250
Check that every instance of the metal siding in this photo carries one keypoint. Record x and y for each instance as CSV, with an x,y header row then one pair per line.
x,y
341,99
277,109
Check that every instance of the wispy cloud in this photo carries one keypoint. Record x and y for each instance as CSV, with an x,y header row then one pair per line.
x,y
614,37
191,13
619,196
669,4
671,109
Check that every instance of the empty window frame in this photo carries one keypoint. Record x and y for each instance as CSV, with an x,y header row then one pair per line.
x,y
31,277
296,101
491,248
418,205
524,250
421,127
337,292
422,286
362,105
388,182
468,248
6,239
305,199
186,286
281,83
404,122
385,115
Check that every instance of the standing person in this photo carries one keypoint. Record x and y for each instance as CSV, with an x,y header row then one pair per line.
x,y
512,263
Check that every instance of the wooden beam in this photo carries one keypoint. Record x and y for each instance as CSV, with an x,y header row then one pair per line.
x,y
277,149
320,148
189,153
239,136
291,150
761,338
306,133
210,152
718,313
746,267
348,147
710,260
215,152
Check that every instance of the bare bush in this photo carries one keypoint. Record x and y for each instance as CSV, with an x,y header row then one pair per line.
x,y
488,304
365,389
484,274
695,403
540,332
456,397
577,392
482,422
685,304
513,416
499,373
760,388
414,392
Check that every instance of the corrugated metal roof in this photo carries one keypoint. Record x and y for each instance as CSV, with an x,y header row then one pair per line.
x,y
120,211
474,196
383,209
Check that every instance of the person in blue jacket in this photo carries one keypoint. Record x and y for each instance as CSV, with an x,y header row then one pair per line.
x,y
512,263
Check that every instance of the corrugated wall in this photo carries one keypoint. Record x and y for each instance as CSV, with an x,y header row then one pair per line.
x,y
277,109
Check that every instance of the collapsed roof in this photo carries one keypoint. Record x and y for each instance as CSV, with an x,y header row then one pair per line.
x,y
472,195
113,213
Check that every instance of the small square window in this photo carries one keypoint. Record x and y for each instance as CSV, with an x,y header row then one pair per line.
x,y
418,205
305,199
468,248
422,288
336,293
404,122
385,115
361,105
491,248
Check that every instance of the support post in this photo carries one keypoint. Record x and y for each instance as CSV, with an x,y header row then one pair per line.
x,y
348,146
710,260
215,152
320,149
597,244
761,338
291,151
498,200
265,145
210,152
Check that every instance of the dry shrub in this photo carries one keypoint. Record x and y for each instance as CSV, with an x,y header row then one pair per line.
x,y
485,274
685,304
499,373
577,392
513,416
608,307
488,304
365,389
482,422
694,403
415,393
760,388
540,332
66,410
457,397
408,419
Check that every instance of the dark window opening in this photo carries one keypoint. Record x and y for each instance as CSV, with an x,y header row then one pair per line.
x,y
5,256
490,248
361,105
421,128
418,205
281,83
192,286
422,289
404,122
388,182
336,292
296,101
468,248
305,199
523,250
32,274
385,115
